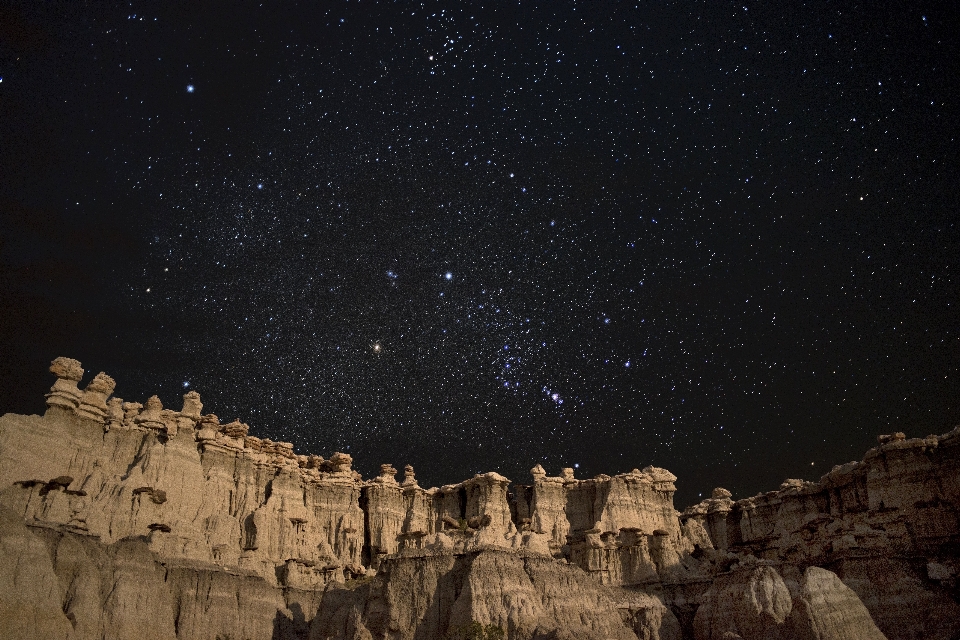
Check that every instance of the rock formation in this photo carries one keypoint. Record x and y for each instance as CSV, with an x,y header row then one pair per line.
x,y
888,526
759,603
121,519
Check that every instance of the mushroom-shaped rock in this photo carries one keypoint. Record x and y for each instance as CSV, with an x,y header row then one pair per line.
x,y
93,401
151,416
192,405
538,473
341,462
64,392
567,474
719,503
409,477
387,474
66,369
632,536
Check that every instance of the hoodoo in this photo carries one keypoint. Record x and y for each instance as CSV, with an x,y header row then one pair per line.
x,y
121,519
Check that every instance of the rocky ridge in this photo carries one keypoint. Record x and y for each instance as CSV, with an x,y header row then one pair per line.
x,y
129,512
888,526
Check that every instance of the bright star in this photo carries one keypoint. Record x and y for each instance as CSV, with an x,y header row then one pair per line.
x,y
448,275
189,88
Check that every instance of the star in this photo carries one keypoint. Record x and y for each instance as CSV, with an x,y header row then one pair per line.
x,y
648,213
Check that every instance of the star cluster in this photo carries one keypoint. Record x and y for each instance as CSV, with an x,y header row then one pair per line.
x,y
716,237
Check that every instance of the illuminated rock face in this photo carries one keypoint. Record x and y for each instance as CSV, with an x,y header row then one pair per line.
x,y
141,521
758,603
887,525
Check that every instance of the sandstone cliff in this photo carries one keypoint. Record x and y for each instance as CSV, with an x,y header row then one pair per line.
x,y
888,526
121,519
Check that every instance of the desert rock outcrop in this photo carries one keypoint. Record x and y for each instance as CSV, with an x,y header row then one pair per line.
x,y
137,520
880,524
758,603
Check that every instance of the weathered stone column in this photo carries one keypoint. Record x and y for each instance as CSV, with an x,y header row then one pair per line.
x,y
93,402
719,505
192,405
64,393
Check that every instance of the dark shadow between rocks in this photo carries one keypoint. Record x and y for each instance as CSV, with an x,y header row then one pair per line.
x,y
295,628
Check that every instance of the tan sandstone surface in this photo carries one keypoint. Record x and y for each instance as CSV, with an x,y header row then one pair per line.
x,y
131,520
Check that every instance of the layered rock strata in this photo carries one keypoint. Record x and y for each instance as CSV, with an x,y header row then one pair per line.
x,y
138,520
888,526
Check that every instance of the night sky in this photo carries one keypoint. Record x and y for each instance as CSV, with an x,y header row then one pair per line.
x,y
716,237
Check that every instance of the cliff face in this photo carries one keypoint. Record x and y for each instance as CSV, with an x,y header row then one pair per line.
x,y
889,526
121,519
526,595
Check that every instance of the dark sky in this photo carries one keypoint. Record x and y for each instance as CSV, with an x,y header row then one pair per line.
x,y
716,237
